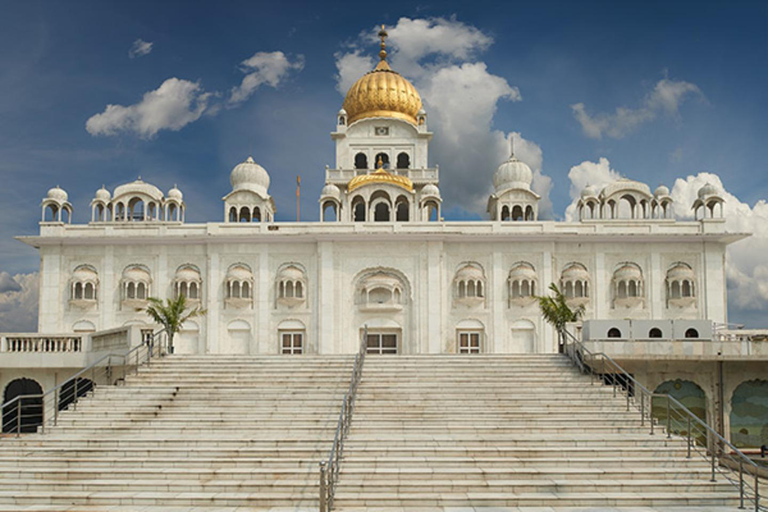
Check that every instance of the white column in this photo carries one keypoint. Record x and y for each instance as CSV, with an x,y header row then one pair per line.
x,y
108,304
326,314
265,340
497,337
713,300
599,294
654,286
546,342
437,302
212,279
51,304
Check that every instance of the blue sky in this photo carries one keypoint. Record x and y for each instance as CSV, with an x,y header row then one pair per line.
x,y
689,80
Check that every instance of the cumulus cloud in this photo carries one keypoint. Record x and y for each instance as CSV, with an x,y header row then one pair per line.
x,y
666,97
351,66
18,305
172,106
8,284
461,97
268,68
139,48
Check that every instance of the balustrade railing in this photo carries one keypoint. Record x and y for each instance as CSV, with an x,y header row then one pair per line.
x,y
43,343
701,439
329,470
32,413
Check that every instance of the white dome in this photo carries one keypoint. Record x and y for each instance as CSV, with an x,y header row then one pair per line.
x,y
139,187
430,189
422,112
624,185
627,272
331,190
707,190
575,272
512,174
680,271
175,193
84,274
291,273
188,274
57,194
522,270
137,274
661,191
589,191
103,194
250,176
342,112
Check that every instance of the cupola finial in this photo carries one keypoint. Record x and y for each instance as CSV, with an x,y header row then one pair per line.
x,y
383,35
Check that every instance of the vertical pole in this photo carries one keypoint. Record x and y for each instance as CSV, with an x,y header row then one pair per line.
x,y
137,362
741,483
642,410
713,453
56,407
627,400
42,414
669,421
18,417
74,398
323,492
757,492
689,437
298,198
650,411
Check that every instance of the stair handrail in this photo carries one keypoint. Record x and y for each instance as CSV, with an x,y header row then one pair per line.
x,y
731,465
329,470
67,395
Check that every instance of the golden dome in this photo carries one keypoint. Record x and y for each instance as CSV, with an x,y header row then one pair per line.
x,y
382,93
380,176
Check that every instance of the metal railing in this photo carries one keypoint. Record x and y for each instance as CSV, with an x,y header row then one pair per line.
x,y
723,457
30,413
329,470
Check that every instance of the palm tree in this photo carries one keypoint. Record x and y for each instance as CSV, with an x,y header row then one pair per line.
x,y
557,312
171,315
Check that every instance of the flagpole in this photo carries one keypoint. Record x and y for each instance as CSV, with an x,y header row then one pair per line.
x,y
298,198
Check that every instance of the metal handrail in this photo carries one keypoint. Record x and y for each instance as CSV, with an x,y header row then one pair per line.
x,y
724,457
329,470
42,409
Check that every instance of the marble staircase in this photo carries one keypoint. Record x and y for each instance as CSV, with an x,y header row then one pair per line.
x,y
191,431
508,431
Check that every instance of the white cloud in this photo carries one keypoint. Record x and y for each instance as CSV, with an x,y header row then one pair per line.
x,y
18,307
172,106
268,68
351,66
461,97
139,48
666,97
8,284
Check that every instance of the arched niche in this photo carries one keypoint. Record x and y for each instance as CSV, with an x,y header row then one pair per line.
x,y
749,414
687,393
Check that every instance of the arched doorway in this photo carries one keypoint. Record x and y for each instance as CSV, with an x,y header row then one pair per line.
x,y
238,338
31,408
75,388
523,337
749,414
691,396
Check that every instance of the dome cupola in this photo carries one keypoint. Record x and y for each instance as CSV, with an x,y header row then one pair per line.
x,y
382,93
512,174
57,194
249,175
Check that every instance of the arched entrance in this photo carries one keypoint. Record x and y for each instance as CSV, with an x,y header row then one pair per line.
x,y
25,412
749,414
690,395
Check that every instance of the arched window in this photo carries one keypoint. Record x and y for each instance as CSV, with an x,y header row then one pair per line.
x,y
614,332
256,214
691,333
402,210
433,211
74,389
329,211
245,214
361,161
381,212
505,213
655,332
403,161
384,159
517,212
687,289
291,285
529,213
358,209
233,214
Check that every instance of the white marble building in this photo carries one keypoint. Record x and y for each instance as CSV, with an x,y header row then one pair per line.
x,y
381,255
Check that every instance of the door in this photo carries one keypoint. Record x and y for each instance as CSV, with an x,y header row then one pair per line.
x,y
469,342
381,343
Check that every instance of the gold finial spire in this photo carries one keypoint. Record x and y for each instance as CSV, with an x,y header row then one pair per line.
x,y
383,35
380,163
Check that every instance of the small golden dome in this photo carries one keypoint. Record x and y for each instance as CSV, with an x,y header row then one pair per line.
x,y
382,93
380,176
